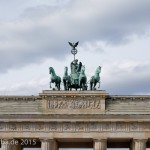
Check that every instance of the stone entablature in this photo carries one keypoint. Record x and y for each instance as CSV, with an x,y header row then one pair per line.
x,y
19,98
134,104
55,102
93,116
75,127
75,102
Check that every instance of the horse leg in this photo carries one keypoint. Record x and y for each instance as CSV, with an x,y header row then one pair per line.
x,y
80,84
84,84
67,86
56,86
76,87
50,84
64,81
59,86
91,85
95,84
99,84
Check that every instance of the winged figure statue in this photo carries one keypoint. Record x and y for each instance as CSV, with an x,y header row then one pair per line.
x,y
73,45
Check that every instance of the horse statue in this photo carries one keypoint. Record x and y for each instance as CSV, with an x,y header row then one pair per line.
x,y
54,78
82,79
95,79
66,80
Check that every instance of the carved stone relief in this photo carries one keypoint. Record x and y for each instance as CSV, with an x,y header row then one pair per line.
x,y
75,127
71,103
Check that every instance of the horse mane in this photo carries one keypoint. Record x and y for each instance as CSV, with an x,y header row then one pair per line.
x,y
98,68
53,70
65,70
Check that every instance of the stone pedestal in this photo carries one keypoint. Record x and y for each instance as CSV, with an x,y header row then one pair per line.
x,y
100,144
48,144
138,144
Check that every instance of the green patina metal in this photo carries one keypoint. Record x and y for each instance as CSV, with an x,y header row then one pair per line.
x,y
66,79
95,79
74,50
54,78
77,78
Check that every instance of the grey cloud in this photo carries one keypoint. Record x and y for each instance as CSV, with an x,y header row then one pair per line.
x,y
123,81
43,31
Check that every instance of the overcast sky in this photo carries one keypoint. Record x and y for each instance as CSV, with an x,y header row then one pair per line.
x,y
114,34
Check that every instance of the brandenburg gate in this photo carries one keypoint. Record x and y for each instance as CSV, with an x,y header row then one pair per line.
x,y
74,119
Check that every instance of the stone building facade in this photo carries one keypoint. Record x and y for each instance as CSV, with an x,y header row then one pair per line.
x,y
74,119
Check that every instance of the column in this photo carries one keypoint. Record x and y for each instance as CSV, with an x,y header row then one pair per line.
x,y
100,144
138,144
5,144
48,144
17,147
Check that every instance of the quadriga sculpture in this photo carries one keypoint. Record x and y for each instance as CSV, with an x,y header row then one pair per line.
x,y
54,78
95,79
76,80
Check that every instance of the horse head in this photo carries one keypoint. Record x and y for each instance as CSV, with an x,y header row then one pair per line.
x,y
65,69
98,70
51,70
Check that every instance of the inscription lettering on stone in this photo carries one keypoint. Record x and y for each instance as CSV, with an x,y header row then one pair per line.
x,y
74,103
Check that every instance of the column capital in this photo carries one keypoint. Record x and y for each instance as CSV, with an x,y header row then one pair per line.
x,y
138,144
48,144
47,140
140,139
99,139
